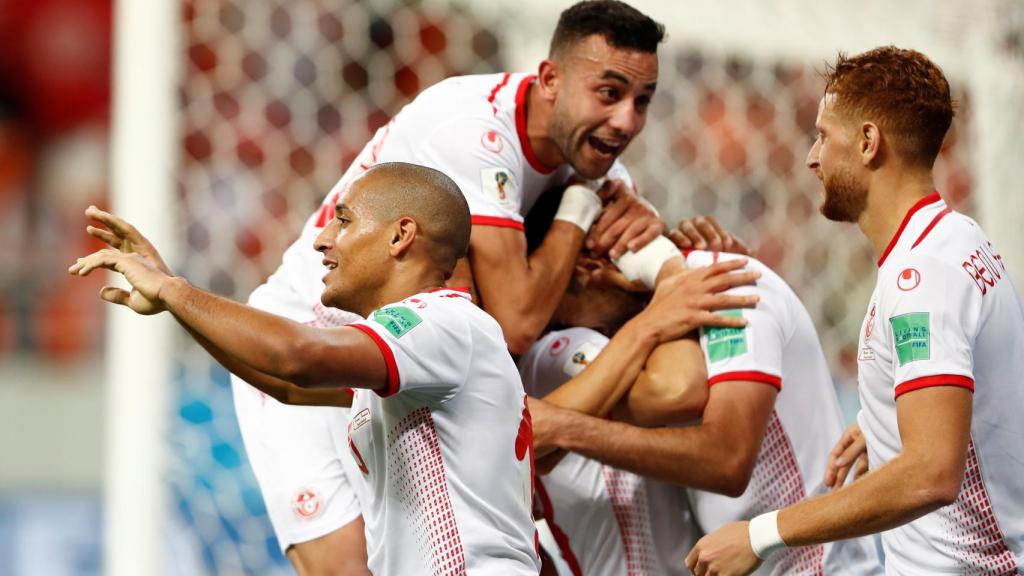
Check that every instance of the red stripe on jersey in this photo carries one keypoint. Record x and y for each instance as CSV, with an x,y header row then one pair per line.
x,y
940,380
548,513
524,140
496,221
746,376
931,225
495,90
389,359
929,199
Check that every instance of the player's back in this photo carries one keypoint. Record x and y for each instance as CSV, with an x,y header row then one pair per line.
x,y
780,348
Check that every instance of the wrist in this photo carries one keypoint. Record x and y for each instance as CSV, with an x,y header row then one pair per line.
x,y
646,263
672,266
171,290
764,534
580,206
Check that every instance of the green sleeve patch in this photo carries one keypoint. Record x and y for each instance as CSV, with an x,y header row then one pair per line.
x,y
397,319
725,343
911,336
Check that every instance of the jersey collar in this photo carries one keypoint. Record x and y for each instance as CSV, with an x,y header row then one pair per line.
x,y
524,140
452,292
929,199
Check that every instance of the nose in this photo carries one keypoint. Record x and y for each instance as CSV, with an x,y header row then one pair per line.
x,y
625,119
323,241
812,157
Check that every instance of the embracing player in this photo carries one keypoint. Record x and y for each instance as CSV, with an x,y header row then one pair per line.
x,y
940,347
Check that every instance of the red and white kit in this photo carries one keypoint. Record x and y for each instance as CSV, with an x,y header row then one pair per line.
x,y
446,449
472,128
944,313
779,347
606,521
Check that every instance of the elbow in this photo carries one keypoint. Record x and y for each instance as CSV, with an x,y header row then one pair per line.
x,y
733,474
520,337
937,488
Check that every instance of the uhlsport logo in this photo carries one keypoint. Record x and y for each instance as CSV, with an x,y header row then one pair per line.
x,y
491,141
559,346
306,503
908,279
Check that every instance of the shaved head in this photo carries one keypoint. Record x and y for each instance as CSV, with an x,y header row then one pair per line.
x,y
393,190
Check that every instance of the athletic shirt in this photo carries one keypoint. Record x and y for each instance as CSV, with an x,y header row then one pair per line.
x,y
779,347
945,313
472,128
606,521
446,449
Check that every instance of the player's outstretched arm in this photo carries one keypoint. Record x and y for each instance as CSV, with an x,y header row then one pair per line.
x,y
681,303
309,357
935,426
122,236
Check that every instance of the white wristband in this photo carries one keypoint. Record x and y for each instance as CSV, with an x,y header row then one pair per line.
x,y
764,535
580,206
645,263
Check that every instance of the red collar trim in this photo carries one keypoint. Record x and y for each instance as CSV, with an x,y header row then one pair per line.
x,y
929,199
458,291
524,140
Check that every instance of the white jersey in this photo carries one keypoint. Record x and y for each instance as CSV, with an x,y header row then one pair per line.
x,y
944,313
779,347
472,128
606,521
447,448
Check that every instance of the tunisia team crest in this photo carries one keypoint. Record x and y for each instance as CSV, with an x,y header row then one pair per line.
x,y
306,503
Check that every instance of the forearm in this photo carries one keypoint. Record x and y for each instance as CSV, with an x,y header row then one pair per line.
x,y
522,293
671,389
890,496
598,388
281,390
697,456
264,343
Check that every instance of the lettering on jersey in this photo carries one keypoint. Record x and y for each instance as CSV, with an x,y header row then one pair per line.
x,y
582,356
725,343
397,319
911,336
359,420
306,503
984,266
908,279
492,141
497,183
559,346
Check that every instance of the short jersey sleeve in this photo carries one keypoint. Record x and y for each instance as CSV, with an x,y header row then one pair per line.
x,y
427,350
557,357
929,308
483,159
752,353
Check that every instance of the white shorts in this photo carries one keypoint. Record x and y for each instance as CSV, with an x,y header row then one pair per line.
x,y
301,460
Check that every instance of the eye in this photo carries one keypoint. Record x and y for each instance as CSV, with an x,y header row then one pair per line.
x,y
609,93
642,103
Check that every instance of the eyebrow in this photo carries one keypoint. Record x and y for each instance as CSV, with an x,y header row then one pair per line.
x,y
341,206
618,77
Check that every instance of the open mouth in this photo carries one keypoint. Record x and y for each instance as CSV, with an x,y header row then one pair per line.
x,y
329,264
605,147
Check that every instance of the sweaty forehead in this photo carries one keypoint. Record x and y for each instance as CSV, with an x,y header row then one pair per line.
x,y
593,56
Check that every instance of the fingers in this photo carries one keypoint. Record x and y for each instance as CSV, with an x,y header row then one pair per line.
x,y
106,236
637,234
730,302
861,467
725,266
723,282
612,188
681,240
712,232
694,238
610,216
737,246
118,225
691,558
114,295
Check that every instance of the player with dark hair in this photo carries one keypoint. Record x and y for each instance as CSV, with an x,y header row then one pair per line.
x,y
939,359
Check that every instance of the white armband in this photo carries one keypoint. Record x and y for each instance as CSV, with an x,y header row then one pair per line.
x,y
580,205
645,263
764,534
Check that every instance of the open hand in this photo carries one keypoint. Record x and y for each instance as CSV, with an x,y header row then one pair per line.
x,y
705,233
850,453
687,300
146,279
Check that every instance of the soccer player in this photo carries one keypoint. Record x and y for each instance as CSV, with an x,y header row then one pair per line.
x,y
504,139
440,428
768,416
940,347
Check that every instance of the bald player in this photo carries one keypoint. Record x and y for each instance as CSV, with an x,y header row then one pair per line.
x,y
439,428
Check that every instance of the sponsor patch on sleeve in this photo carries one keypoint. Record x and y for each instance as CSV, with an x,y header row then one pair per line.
x,y
911,336
397,319
725,343
582,356
498,183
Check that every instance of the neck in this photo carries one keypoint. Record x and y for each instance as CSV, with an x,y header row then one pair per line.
x,y
404,282
890,197
538,128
